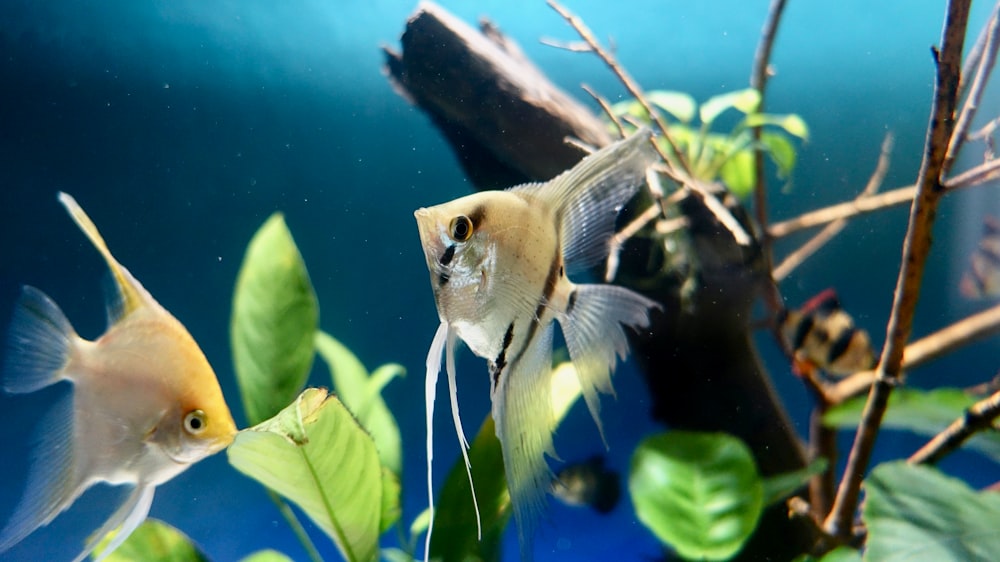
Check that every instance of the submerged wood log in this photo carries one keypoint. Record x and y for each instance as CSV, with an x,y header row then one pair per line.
x,y
506,122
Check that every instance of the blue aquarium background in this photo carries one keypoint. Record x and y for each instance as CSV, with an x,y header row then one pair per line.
x,y
181,125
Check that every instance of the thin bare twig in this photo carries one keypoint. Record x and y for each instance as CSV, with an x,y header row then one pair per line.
x,y
606,107
986,130
977,417
916,247
990,39
987,171
618,240
964,332
803,253
674,158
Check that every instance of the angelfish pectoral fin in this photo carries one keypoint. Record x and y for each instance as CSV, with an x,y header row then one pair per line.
x,y
522,410
126,519
593,329
430,385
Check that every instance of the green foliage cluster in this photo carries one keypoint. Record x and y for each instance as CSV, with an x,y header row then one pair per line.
x,y
728,157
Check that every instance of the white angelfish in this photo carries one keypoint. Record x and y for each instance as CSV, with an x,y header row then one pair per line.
x,y
498,264
145,403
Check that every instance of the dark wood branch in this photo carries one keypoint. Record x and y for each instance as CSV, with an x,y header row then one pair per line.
x,y
916,247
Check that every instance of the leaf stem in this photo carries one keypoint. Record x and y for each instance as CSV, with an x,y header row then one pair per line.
x,y
916,247
295,524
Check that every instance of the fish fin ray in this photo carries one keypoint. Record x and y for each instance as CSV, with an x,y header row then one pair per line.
x,y
430,386
522,410
595,337
456,418
589,195
39,342
126,519
131,294
50,487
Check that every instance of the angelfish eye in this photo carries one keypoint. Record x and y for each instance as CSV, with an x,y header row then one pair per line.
x,y
194,422
460,228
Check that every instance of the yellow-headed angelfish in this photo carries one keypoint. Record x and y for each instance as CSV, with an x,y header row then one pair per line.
x,y
145,403
498,264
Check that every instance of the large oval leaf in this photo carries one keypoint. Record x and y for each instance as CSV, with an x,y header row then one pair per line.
x,y
275,315
317,456
153,541
698,492
745,101
362,394
916,513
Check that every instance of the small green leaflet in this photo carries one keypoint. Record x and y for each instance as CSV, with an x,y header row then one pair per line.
x,y
153,541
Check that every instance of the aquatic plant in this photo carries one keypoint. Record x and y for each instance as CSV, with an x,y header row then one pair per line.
x,y
713,156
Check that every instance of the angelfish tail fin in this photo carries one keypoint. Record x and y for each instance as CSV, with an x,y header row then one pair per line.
x,y
522,411
126,519
39,342
592,325
51,484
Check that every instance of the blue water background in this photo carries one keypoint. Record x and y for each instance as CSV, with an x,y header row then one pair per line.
x,y
182,125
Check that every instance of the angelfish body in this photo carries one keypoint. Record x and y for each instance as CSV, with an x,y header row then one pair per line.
x,y
145,403
499,265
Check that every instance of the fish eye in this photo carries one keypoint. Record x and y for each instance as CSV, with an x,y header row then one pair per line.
x,y
194,422
461,228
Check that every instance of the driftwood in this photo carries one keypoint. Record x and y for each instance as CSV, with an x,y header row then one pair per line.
x,y
507,123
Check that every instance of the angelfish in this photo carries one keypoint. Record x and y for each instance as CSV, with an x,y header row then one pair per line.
x,y
145,403
498,264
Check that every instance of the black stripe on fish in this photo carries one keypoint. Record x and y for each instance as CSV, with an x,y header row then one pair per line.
x,y
801,331
550,287
501,360
443,279
571,302
448,254
839,345
476,216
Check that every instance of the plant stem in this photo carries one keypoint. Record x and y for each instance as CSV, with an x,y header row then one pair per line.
x,y
758,81
916,247
978,417
296,525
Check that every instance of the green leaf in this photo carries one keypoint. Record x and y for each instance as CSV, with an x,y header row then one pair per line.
x,y
267,555
925,412
779,487
316,455
745,101
738,173
781,151
153,541
791,123
678,104
396,555
698,492
275,315
916,513
454,536
391,510
362,394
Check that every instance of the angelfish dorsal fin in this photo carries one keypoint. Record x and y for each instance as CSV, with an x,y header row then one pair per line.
x,y
588,196
130,294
